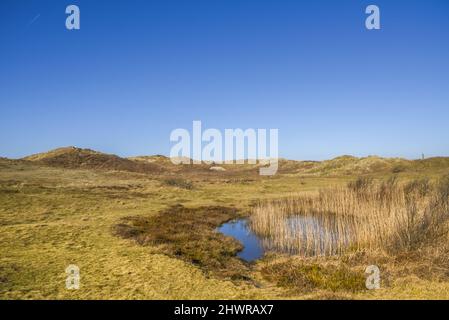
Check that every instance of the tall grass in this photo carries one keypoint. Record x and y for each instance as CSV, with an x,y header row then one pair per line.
x,y
362,215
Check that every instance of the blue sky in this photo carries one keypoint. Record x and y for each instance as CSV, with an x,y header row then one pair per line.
x,y
136,70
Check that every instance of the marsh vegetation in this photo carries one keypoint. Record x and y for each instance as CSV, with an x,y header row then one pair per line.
x,y
363,215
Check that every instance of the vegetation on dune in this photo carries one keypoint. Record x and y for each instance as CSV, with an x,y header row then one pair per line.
x,y
72,157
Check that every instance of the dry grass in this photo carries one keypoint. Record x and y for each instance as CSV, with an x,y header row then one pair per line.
x,y
363,215
52,216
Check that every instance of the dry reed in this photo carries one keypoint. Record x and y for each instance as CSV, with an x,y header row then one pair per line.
x,y
362,215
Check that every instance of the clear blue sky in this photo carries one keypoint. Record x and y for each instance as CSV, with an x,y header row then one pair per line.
x,y
139,69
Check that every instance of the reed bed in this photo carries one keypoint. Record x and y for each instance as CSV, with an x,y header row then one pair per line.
x,y
362,215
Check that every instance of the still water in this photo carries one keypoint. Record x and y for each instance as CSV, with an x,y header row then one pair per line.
x,y
255,247
252,245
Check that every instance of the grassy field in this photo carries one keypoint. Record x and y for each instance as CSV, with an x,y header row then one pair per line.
x,y
66,207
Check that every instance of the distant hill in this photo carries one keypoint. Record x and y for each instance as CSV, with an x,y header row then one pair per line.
x,y
73,158
349,165
370,164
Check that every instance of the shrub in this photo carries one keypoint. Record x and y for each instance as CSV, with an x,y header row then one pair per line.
x,y
179,183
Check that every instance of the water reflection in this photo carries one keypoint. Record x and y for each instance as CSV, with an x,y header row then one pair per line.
x,y
252,245
305,235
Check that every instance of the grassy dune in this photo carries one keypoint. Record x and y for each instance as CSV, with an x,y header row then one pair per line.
x,y
59,209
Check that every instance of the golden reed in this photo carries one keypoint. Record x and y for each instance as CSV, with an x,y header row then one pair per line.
x,y
362,215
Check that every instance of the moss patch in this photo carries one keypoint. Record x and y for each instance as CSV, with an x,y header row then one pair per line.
x,y
308,277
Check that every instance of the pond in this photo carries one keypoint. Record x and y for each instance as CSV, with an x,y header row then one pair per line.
x,y
252,245
298,228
